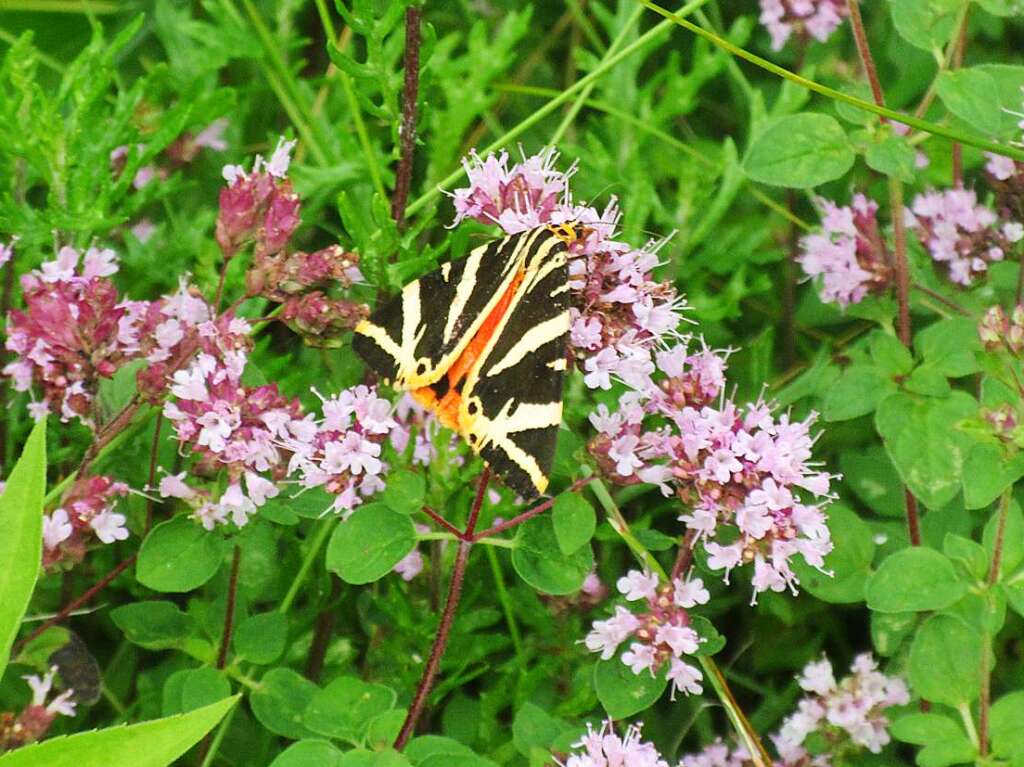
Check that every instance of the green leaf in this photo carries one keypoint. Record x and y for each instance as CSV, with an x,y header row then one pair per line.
x,y
384,728
970,94
924,444
853,548
154,624
150,744
969,553
262,638
404,492
892,155
361,758
309,504
913,580
179,555
343,709
623,693
1009,80
890,356
950,346
888,630
280,702
309,753
874,479
540,562
987,473
533,726
21,514
802,151
369,543
1004,725
943,739
713,642
856,392
202,687
945,661
574,521
928,381
925,24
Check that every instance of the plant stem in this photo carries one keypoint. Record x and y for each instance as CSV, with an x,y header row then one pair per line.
x,y
152,470
443,522
447,617
959,47
229,610
789,277
860,36
747,735
75,603
319,538
997,545
218,737
928,127
323,628
407,130
529,514
506,604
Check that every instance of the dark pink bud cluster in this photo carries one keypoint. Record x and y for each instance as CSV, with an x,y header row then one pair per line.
x,y
86,511
36,718
258,207
73,331
1001,333
322,320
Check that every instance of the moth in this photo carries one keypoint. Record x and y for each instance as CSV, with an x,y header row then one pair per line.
x,y
481,343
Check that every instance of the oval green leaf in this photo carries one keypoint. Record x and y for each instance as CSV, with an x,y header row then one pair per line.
x,y
368,544
540,561
179,555
912,580
801,151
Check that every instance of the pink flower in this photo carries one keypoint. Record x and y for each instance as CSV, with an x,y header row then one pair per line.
x,y
604,748
805,18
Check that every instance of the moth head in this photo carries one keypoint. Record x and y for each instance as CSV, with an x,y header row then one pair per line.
x,y
569,232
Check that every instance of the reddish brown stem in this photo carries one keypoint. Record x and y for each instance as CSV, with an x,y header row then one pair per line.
x,y
789,277
407,130
74,604
957,61
443,522
860,35
520,518
229,610
685,556
447,618
323,629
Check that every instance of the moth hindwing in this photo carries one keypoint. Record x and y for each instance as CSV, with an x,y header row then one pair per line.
x,y
481,343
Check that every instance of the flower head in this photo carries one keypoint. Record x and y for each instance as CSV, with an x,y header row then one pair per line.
x,y
606,748
816,19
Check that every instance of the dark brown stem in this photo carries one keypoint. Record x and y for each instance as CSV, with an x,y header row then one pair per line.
x,y
520,518
860,35
997,545
957,61
685,556
443,522
447,618
407,130
74,604
152,470
899,234
229,610
323,629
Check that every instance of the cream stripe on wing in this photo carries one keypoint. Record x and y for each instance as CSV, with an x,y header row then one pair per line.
x,y
382,339
534,415
412,313
463,291
530,341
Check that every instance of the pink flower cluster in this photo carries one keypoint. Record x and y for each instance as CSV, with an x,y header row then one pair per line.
x,y
343,452
35,719
849,253
852,710
606,748
242,429
74,330
959,232
739,469
87,510
804,18
718,754
661,635
620,312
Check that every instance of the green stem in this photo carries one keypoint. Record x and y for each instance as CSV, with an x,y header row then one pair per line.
x,y
929,127
362,134
438,535
506,603
218,737
668,138
712,673
577,105
323,531
516,131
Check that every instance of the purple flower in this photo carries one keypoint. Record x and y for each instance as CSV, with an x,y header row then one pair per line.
x,y
804,18
604,748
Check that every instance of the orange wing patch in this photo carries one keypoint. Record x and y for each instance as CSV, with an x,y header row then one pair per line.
x,y
446,407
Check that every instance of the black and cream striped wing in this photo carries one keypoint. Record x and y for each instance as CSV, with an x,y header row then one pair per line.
x,y
512,401
414,338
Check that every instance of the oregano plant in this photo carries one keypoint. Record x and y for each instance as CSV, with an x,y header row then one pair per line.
x,y
590,384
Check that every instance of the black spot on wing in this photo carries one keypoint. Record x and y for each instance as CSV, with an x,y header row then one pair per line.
x,y
539,443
